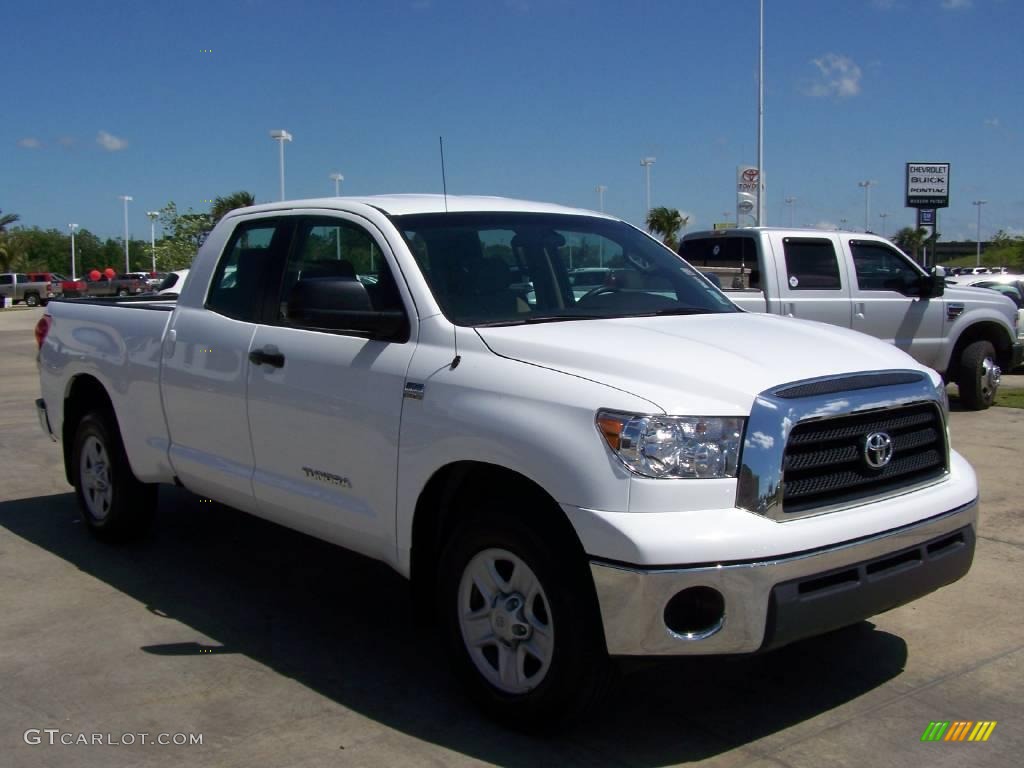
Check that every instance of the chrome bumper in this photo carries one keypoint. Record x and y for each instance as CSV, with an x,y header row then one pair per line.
x,y
633,600
44,419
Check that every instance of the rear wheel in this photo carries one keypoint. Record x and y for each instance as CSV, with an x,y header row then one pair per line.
x,y
112,501
979,376
32,300
521,623
122,292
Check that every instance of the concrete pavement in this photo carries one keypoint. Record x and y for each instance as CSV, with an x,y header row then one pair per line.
x,y
284,651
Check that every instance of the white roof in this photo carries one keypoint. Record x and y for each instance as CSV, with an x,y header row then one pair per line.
x,y
398,205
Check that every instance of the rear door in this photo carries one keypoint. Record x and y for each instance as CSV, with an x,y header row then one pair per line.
x,y
206,366
813,282
882,308
324,413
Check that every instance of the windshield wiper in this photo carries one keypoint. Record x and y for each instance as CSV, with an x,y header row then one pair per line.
x,y
539,319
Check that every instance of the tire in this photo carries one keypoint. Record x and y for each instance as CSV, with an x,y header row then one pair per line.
x,y
113,503
979,374
122,292
538,592
32,300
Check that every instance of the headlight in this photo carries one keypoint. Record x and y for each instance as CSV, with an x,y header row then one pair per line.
x,y
673,446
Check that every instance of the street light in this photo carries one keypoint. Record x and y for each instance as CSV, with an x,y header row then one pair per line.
x,y
337,178
789,204
281,137
762,219
73,227
601,189
867,184
126,199
978,203
647,162
883,216
153,216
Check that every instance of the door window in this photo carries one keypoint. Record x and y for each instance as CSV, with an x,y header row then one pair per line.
x,y
340,249
732,259
880,268
811,264
239,281
6,279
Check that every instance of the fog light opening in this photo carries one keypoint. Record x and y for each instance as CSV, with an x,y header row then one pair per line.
x,y
695,613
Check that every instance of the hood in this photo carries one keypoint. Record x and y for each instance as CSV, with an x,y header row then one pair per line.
x,y
977,297
703,365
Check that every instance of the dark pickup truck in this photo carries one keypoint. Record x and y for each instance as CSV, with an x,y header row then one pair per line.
x,y
120,285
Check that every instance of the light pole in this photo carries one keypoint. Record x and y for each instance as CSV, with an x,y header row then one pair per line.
x,y
789,204
883,216
73,227
761,219
337,178
867,184
647,162
153,216
281,137
978,204
126,199
601,189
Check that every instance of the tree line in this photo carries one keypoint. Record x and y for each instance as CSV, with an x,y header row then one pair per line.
x,y
33,249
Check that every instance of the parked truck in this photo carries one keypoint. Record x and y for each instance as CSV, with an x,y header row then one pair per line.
x,y
17,287
119,285
643,469
864,282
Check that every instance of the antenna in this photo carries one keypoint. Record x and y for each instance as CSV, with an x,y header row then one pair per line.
x,y
444,181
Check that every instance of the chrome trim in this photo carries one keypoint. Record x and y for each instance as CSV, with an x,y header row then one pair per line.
x,y
772,419
633,600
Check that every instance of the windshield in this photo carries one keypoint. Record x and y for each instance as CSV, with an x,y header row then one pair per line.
x,y
501,268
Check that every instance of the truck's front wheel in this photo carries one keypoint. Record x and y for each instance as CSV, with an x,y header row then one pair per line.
x,y
112,501
520,623
979,376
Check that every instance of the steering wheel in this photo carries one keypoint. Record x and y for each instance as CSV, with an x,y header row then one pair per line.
x,y
598,291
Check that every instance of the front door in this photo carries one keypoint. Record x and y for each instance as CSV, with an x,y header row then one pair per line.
x,y
325,406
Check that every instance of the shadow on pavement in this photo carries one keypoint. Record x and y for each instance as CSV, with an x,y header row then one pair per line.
x,y
342,626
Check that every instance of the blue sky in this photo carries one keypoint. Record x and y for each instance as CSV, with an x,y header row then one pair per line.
x,y
542,99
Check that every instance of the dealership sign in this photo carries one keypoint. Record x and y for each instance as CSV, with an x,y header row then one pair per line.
x,y
747,179
927,185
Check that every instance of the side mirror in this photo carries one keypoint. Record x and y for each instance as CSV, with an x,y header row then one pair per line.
x,y
932,286
343,304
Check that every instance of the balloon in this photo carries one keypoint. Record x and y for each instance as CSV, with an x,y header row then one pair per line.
x,y
109,273
94,275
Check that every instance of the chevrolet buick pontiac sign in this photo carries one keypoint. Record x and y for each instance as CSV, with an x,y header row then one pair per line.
x,y
927,185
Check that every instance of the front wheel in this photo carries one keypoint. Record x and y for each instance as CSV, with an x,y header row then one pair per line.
x,y
122,292
521,623
979,376
112,501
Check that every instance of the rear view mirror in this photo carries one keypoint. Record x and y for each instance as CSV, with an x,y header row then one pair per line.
x,y
343,304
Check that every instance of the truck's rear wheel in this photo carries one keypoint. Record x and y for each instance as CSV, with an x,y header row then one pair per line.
x,y
979,376
122,292
520,623
32,300
112,501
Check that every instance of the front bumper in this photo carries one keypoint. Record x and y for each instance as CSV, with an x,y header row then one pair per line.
x,y
770,603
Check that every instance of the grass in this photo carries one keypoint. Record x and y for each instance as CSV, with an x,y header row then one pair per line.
x,y
1010,398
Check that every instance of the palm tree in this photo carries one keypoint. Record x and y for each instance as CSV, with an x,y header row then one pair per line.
x,y
6,219
665,222
910,239
224,205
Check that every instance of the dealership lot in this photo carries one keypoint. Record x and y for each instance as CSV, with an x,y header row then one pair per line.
x,y
281,650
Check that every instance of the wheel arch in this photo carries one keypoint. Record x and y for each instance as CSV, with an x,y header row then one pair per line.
x,y
440,508
984,330
85,393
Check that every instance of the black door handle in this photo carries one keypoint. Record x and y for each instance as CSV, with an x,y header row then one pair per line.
x,y
266,357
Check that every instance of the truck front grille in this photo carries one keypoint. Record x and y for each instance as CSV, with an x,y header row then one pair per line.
x,y
826,461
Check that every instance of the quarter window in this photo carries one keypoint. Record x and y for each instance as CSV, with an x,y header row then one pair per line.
x,y
732,259
239,281
811,264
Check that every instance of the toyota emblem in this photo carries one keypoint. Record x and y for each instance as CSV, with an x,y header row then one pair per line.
x,y
878,449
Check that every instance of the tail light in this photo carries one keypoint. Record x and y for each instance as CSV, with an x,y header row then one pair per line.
x,y
43,328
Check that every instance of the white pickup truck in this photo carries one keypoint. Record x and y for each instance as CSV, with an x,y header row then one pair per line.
x,y
864,282
563,479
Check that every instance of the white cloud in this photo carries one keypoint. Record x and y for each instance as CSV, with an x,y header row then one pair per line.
x,y
992,122
110,142
30,142
838,76
823,224
956,5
